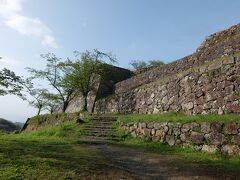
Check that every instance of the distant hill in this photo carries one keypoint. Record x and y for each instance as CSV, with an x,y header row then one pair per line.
x,y
6,125
19,124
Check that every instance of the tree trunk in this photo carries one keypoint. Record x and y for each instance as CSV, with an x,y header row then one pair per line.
x,y
85,102
39,111
65,105
94,103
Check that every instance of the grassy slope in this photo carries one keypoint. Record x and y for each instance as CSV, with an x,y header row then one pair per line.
x,y
176,117
52,153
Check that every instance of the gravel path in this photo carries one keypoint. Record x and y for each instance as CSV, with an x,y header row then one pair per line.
x,y
148,165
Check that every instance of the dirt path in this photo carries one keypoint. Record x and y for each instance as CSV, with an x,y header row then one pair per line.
x,y
147,165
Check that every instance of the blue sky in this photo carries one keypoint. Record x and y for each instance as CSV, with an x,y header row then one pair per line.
x,y
130,29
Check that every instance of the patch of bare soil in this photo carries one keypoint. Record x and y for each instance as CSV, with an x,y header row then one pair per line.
x,y
148,165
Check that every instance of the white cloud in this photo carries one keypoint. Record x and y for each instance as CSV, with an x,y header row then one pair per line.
x,y
11,11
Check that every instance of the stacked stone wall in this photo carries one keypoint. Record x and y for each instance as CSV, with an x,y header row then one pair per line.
x,y
207,81
210,137
210,88
220,44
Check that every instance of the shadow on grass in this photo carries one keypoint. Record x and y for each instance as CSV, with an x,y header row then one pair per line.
x,y
45,159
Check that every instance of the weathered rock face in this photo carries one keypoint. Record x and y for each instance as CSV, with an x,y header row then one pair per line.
x,y
205,136
206,82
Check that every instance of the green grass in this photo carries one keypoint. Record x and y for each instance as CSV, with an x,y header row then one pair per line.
x,y
177,117
53,152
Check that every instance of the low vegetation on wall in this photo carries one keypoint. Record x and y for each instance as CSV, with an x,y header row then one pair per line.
x,y
213,133
40,121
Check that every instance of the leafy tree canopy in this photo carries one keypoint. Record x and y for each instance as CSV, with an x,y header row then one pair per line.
x,y
142,64
10,83
87,71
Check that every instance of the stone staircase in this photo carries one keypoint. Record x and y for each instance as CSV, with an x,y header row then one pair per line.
x,y
99,129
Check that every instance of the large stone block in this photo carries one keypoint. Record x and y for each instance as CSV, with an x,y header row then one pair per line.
x,y
170,139
209,148
135,125
157,126
131,128
190,127
205,127
216,127
185,137
198,109
200,101
236,139
188,106
150,125
186,127
215,138
197,138
230,128
232,108
142,125
176,131
231,149
146,132
160,134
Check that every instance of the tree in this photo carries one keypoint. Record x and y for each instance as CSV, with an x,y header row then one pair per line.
x,y
142,64
54,73
155,63
37,95
138,64
52,102
87,72
10,83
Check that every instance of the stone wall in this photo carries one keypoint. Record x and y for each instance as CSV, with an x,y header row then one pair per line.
x,y
210,88
103,88
207,81
215,46
205,136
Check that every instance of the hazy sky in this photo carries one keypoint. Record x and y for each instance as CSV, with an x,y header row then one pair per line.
x,y
131,29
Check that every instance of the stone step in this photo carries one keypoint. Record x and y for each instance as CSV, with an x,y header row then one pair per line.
x,y
98,129
109,133
102,124
97,134
104,119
